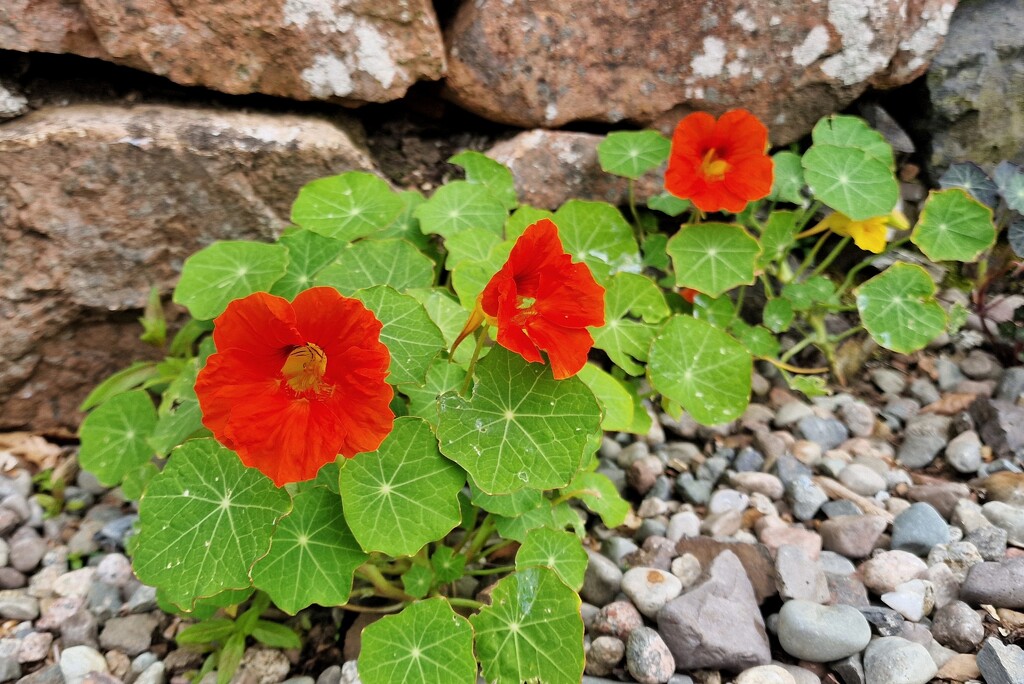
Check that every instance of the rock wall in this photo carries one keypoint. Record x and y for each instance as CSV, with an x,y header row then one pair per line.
x,y
106,187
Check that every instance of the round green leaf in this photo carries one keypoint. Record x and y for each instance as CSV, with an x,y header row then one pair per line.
x,y
1010,179
367,263
970,177
718,312
447,566
471,277
898,308
521,427
224,271
1015,236
448,315
597,234
417,580
532,631
346,207
713,257
522,218
460,205
626,340
508,505
491,174
850,181
442,376
815,291
701,368
407,226
788,183
403,495
633,153
556,517
668,204
599,494
408,333
472,244
313,555
779,234
854,132
115,437
777,315
426,643
179,416
308,252
203,522
953,227
758,340
621,409
558,551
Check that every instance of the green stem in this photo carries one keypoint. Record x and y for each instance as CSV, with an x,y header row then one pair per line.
x,y
480,538
796,349
809,259
481,334
373,575
492,571
827,261
809,213
636,214
846,333
767,286
497,546
740,294
465,603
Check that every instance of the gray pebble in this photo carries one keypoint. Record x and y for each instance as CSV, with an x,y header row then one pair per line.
x,y
883,621
1001,663
964,452
604,654
27,548
895,660
115,569
692,490
998,584
650,589
79,629
16,604
132,634
819,634
1008,517
104,600
888,380
683,524
35,647
828,433
332,675
805,498
1011,385
617,548
980,365
798,576
949,374
918,529
20,484
601,581
791,412
958,626
989,540
924,391
925,436
862,479
78,661
859,418
49,674
648,658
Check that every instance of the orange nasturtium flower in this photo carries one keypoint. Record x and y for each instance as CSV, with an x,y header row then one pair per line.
x,y
294,384
869,234
719,165
541,301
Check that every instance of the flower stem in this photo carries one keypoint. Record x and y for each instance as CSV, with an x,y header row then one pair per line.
x,y
497,546
465,603
638,226
492,571
372,574
827,261
480,538
810,256
846,333
793,369
796,349
481,334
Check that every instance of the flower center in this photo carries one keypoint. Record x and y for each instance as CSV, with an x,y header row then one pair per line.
x,y
304,368
712,167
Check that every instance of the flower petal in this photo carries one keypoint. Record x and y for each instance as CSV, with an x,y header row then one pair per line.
x,y
567,348
739,133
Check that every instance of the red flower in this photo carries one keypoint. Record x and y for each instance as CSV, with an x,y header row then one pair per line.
x,y
541,300
292,385
719,165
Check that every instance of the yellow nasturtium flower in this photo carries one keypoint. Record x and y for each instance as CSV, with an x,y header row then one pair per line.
x,y
869,234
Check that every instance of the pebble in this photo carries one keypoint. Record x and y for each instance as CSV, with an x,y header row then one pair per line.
x,y
16,604
1001,663
27,548
805,498
77,662
115,569
862,479
913,600
958,556
1009,518
853,536
924,391
888,380
799,576
35,647
895,660
828,433
766,674
687,568
601,581
717,624
617,619
648,658
791,412
958,626
1007,487
918,529
997,584
604,654
1011,385
924,437
820,634
761,483
859,418
964,452
990,542
884,572
650,589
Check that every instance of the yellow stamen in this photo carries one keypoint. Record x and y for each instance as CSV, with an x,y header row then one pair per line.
x,y
304,368
712,167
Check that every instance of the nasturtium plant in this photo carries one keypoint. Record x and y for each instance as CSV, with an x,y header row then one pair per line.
x,y
403,391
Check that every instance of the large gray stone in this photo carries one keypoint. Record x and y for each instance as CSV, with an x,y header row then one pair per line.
x,y
976,86
895,660
997,584
820,634
717,624
1001,663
